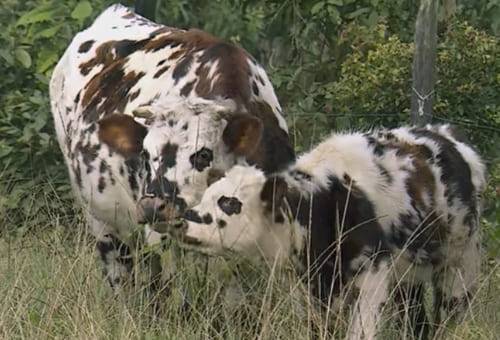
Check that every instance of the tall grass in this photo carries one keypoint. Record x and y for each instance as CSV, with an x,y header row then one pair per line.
x,y
51,287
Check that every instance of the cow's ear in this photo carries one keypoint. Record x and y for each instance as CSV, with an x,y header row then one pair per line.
x,y
273,196
122,134
243,134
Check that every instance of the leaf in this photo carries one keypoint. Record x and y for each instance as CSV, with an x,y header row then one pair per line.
x,y
317,7
35,16
49,32
372,19
5,150
334,15
82,10
46,57
336,2
23,57
7,56
358,12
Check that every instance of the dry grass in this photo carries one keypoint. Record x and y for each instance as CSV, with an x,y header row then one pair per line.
x,y
52,287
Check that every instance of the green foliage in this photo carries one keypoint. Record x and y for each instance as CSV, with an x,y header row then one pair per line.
x,y
484,14
491,214
34,36
378,81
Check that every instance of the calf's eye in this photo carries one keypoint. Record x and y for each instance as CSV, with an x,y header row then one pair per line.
x,y
229,205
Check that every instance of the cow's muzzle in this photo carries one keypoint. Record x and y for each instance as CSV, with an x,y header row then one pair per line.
x,y
154,209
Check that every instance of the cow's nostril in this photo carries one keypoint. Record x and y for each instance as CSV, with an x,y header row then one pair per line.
x,y
162,206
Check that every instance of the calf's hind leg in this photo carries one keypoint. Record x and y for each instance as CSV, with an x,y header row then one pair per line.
x,y
455,285
373,287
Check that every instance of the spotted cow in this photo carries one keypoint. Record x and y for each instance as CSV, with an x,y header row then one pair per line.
x,y
146,115
359,213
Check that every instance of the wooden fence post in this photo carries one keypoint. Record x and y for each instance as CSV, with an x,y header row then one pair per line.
x,y
146,8
424,62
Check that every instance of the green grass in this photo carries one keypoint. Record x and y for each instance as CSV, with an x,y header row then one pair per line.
x,y
52,288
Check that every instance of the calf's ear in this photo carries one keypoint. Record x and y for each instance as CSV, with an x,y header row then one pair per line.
x,y
122,134
273,196
242,134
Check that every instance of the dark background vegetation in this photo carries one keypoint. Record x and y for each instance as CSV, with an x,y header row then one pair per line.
x,y
335,64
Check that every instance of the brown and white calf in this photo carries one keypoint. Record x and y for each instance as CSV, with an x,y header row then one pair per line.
x,y
363,211
145,114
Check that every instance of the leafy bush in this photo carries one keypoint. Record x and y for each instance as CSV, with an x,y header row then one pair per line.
x,y
378,82
35,36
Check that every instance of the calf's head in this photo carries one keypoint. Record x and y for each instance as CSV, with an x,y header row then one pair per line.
x,y
243,213
179,153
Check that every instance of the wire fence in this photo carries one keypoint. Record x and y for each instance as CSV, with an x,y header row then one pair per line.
x,y
354,121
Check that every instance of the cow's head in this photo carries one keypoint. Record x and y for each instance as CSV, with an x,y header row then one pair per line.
x,y
182,149
243,212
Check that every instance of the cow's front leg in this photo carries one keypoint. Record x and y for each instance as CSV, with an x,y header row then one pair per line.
x,y
115,255
159,271
372,284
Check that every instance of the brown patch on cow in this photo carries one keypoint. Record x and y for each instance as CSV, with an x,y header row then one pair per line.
x,y
233,73
186,89
177,54
192,39
161,71
134,95
233,69
243,134
122,134
163,30
182,68
421,180
104,56
204,85
111,51
108,91
86,46
161,62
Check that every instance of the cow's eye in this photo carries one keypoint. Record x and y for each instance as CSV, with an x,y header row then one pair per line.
x,y
201,159
229,205
205,155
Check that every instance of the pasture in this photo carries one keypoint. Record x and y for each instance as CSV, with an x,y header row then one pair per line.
x,y
52,289
335,65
